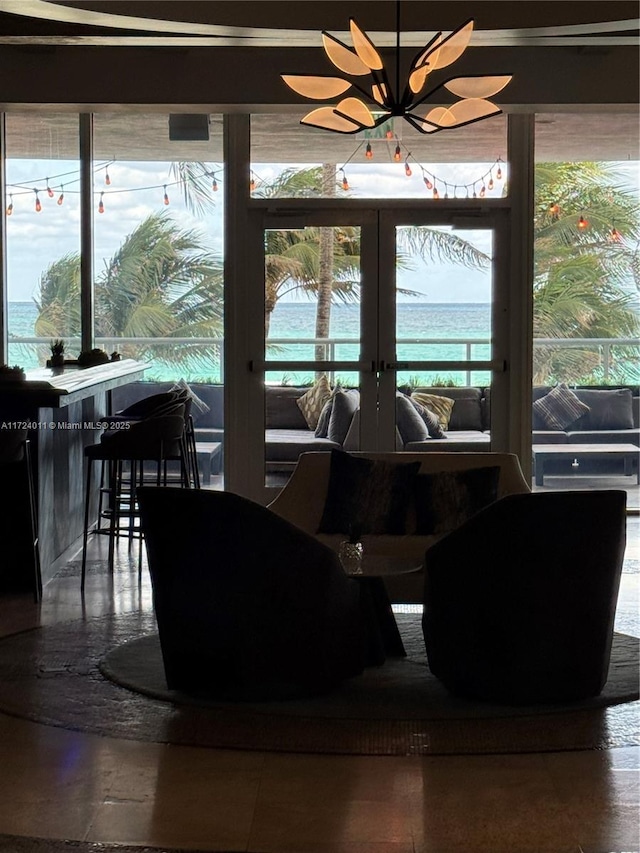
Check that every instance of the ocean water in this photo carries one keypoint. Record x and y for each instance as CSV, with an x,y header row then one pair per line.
x,y
467,321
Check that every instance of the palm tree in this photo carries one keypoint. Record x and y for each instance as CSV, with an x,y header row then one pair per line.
x,y
582,276
161,282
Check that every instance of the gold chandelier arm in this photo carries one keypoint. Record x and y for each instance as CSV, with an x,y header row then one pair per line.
x,y
479,86
318,88
343,57
326,118
357,111
365,48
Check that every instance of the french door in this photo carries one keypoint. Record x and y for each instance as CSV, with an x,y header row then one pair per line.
x,y
375,299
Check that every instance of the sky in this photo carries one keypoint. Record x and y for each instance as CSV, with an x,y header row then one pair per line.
x,y
34,240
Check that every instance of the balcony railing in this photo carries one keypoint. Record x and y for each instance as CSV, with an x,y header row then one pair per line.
x,y
337,349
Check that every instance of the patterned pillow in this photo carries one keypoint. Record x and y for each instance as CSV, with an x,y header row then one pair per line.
x,y
559,408
440,406
367,495
430,420
312,402
446,499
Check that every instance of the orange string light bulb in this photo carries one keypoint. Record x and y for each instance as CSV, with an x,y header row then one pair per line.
x,y
397,154
345,182
427,183
166,197
9,210
407,169
49,190
368,152
38,204
583,223
107,178
101,204
61,196
214,185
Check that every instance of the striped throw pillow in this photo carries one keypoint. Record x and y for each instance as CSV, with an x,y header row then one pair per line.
x,y
559,408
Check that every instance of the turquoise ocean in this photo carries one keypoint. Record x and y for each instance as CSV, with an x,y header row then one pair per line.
x,y
296,320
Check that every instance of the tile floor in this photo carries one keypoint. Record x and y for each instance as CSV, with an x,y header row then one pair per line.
x,y
60,784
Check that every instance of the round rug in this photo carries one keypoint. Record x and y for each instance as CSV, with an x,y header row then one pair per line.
x,y
53,675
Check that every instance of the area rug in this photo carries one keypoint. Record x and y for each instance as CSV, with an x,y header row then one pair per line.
x,y
57,675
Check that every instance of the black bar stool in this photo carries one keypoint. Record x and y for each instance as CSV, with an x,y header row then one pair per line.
x,y
154,439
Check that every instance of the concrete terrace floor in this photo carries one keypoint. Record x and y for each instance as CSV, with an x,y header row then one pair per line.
x,y
66,785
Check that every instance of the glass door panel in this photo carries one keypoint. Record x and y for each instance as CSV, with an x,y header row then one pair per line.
x,y
312,344
441,349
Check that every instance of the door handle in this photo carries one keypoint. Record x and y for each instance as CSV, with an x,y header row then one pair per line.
x,y
395,365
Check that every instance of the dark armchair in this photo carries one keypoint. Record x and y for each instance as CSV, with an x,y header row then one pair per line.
x,y
520,601
248,606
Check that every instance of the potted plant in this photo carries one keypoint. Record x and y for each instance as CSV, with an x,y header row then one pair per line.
x,y
12,374
91,358
57,353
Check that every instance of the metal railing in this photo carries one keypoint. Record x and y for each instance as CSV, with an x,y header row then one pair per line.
x,y
332,348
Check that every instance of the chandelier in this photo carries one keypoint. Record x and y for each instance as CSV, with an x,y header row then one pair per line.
x,y
352,114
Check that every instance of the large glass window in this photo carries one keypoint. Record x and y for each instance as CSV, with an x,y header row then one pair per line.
x,y
43,235
586,319
159,245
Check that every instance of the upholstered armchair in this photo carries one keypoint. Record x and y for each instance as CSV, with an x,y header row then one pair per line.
x,y
519,602
248,606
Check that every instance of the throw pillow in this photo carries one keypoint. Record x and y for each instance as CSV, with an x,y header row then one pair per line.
x,y
312,402
607,409
366,495
322,428
440,406
559,408
430,420
345,404
445,500
410,425
198,406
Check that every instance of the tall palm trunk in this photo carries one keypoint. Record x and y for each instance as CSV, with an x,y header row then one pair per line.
x,y
325,279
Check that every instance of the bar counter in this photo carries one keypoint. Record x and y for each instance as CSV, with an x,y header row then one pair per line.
x,y
62,408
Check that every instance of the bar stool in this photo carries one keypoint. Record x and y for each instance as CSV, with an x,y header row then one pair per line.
x,y
154,439
15,453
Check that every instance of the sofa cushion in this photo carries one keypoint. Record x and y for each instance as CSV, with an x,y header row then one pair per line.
x,y
446,499
285,445
344,406
430,420
559,408
281,408
366,495
322,427
440,406
312,401
467,411
411,426
605,409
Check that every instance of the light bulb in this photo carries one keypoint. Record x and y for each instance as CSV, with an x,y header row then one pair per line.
x,y
166,197
368,153
61,196
9,210
101,204
389,134
436,194
490,184
107,179
427,183
615,236
483,191
38,205
252,184
345,182
499,174
49,190
397,154
582,223
407,169
214,185
554,210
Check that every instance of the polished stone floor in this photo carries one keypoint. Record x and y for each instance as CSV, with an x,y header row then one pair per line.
x,y
61,784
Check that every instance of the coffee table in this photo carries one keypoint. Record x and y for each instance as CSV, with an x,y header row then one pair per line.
x,y
544,452
383,636
207,452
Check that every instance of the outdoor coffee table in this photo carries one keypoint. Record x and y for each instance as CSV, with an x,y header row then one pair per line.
x,y
544,452
207,452
383,637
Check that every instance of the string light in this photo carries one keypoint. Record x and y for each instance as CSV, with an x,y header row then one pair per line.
x,y
252,182
583,223
614,235
101,204
9,210
499,171
483,191
397,154
554,211
389,134
345,182
166,197
407,169
368,152
475,194
214,184
107,178
49,190
61,196
436,194
38,205
490,184
427,182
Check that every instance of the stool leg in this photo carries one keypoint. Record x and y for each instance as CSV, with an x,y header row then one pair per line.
x,y
86,525
37,591
114,498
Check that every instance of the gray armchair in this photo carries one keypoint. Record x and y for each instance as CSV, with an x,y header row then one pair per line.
x,y
519,602
248,606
